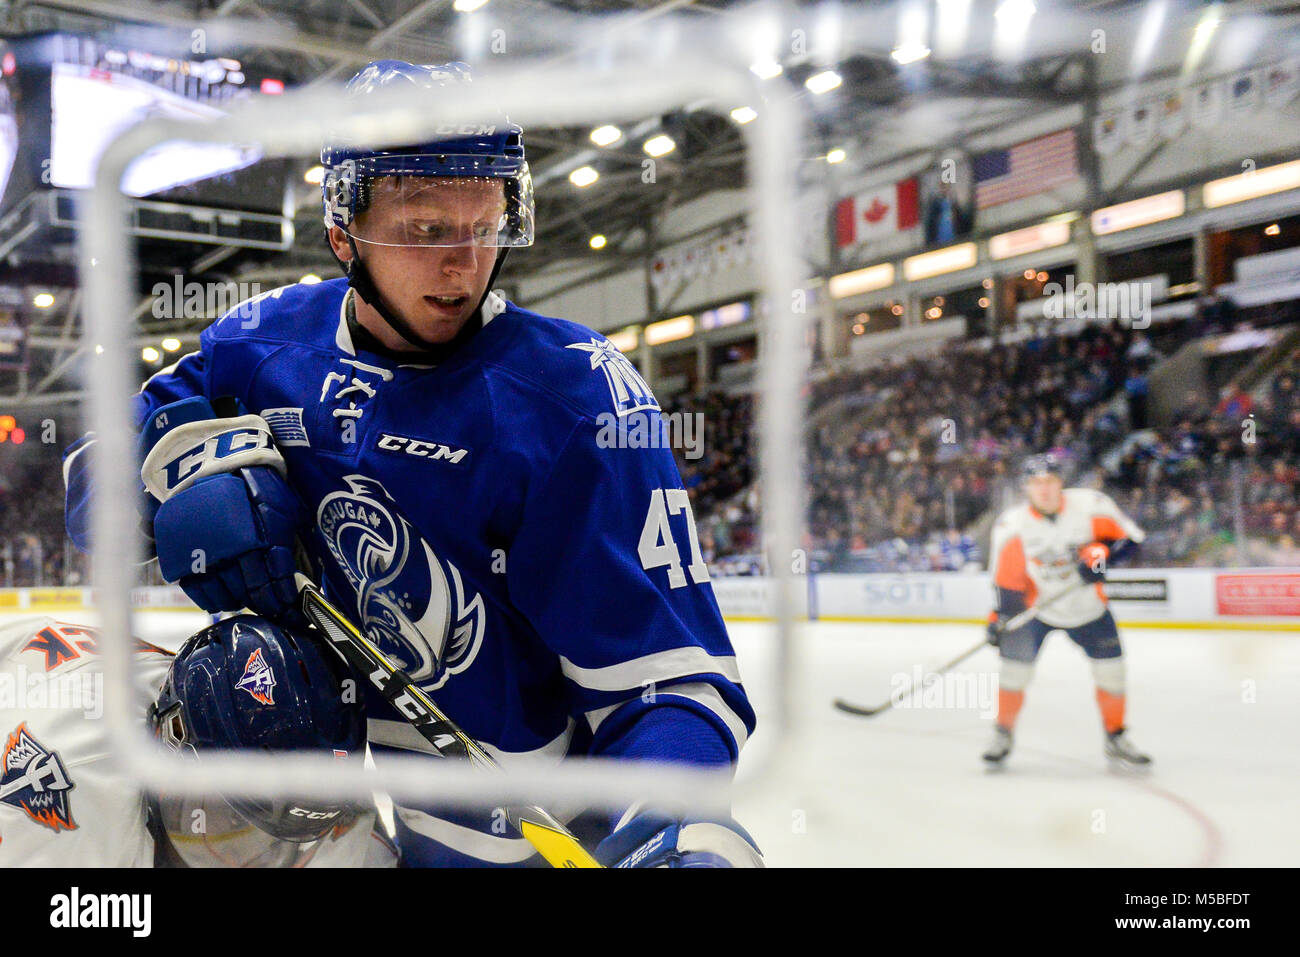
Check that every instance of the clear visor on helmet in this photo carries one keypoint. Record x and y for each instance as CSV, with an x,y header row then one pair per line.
x,y
207,831
408,210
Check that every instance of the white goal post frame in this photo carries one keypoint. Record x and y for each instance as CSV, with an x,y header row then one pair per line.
x,y
295,124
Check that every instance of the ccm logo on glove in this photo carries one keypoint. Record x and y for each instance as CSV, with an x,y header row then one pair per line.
x,y
195,450
213,450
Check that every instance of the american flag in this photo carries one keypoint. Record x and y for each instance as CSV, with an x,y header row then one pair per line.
x,y
1025,169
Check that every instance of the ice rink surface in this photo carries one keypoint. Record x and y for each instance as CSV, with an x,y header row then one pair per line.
x,y
1218,711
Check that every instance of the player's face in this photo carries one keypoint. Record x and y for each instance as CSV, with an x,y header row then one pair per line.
x,y
435,288
1045,493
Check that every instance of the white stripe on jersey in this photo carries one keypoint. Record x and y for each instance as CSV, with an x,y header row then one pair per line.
x,y
466,840
660,666
67,463
700,692
400,734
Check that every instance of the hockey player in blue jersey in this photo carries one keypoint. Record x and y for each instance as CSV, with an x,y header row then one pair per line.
x,y
443,457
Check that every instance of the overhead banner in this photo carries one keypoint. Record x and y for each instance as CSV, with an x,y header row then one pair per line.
x,y
1204,106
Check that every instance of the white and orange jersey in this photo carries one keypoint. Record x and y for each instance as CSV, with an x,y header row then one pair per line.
x,y
63,803
1039,554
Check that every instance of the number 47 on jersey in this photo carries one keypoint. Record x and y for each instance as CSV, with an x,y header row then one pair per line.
x,y
658,548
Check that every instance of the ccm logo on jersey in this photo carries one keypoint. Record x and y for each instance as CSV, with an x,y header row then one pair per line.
x,y
421,449
215,449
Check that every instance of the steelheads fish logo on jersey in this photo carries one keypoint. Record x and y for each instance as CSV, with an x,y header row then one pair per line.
x,y
411,603
35,780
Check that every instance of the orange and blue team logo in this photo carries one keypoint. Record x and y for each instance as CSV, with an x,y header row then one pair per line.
x,y
259,679
35,780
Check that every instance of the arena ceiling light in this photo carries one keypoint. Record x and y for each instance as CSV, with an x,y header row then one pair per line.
x,y
744,114
315,175
468,6
1201,37
1015,11
597,241
171,344
1148,36
606,135
660,145
951,26
836,155
766,69
150,354
583,176
310,279
948,259
1012,30
861,280
1244,186
909,53
823,82
43,300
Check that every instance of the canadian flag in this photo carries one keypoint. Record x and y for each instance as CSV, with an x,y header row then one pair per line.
x,y
876,213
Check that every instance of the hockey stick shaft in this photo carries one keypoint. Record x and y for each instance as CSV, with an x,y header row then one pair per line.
x,y
540,828
895,699
1018,621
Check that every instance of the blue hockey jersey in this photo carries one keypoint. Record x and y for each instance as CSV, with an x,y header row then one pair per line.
x,y
504,524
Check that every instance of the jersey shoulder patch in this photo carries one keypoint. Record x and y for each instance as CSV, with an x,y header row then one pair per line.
x,y
579,365
34,780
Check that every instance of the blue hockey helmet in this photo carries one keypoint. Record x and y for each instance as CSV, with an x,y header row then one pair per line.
x,y
460,157
247,683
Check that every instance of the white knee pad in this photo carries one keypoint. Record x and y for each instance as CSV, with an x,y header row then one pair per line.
x,y
1015,675
1109,674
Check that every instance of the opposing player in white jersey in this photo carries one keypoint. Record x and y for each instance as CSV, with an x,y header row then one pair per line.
x,y
64,803
1052,553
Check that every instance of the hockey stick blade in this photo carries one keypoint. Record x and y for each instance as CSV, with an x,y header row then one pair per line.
x,y
865,712
541,829
1016,622
858,709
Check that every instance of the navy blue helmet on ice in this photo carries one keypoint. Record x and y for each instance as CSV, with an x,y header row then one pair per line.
x,y
246,683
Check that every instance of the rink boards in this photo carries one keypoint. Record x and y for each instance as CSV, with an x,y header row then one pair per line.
x,y
1247,599
1237,599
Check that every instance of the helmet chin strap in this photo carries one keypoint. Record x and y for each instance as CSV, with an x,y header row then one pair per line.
x,y
360,280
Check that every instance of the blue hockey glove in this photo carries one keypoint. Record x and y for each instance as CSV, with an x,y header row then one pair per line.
x,y
650,839
226,519
995,631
